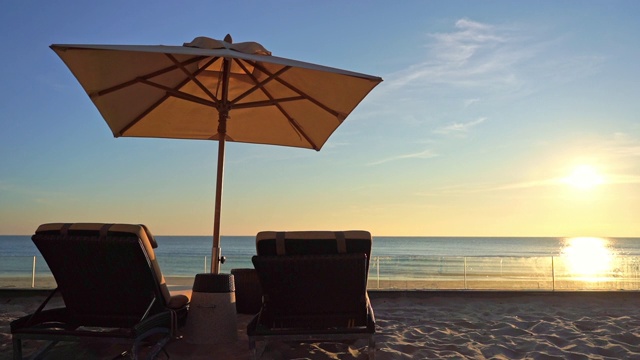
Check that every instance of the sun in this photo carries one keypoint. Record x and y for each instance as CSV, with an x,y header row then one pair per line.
x,y
584,177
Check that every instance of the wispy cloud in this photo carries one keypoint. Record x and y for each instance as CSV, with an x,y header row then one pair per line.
x,y
470,102
460,46
623,179
474,54
492,58
426,154
470,69
622,145
465,189
482,188
459,129
526,184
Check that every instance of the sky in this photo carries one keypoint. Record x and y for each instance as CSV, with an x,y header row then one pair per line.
x,y
495,118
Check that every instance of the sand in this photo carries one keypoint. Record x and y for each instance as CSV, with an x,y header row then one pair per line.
x,y
426,324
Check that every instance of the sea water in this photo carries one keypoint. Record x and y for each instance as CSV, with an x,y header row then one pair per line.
x,y
395,257
517,263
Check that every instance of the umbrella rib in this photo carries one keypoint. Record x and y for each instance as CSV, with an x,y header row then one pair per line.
x,y
292,122
297,127
302,93
147,76
142,115
151,108
193,78
258,84
272,101
180,94
311,99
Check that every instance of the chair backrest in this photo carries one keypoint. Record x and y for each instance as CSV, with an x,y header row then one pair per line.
x,y
107,274
272,243
313,242
313,291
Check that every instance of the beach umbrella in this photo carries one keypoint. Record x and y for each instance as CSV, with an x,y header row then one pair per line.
x,y
210,89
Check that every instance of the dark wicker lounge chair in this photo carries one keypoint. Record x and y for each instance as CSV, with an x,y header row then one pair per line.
x,y
111,285
314,288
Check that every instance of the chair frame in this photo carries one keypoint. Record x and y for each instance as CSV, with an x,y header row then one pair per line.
x,y
314,265
96,295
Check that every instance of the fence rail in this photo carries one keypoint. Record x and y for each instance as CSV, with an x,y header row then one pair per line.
x,y
550,273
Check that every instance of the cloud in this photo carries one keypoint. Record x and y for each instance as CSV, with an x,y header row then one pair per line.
x,y
494,59
461,46
459,129
470,102
623,179
473,55
622,145
527,184
482,188
611,179
427,154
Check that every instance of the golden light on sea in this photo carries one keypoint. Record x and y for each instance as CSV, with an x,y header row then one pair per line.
x,y
588,258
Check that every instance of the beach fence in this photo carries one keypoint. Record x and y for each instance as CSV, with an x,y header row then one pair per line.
x,y
524,273
516,273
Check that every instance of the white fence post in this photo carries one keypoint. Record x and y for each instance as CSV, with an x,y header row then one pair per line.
x,y
465,273
33,273
378,269
553,274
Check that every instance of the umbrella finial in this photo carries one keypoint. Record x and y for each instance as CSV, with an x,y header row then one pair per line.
x,y
228,39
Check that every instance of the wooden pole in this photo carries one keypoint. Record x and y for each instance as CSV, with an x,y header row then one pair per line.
x,y
223,114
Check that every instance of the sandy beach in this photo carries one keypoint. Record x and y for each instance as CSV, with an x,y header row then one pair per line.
x,y
424,324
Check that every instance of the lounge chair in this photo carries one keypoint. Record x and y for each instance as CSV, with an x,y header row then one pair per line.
x,y
111,285
314,288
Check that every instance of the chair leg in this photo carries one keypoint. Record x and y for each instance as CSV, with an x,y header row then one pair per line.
x,y
159,346
252,349
372,348
39,354
17,348
155,349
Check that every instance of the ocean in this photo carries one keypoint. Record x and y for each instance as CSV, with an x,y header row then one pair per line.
x,y
395,258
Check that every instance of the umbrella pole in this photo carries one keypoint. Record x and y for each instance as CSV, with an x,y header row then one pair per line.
x,y
215,250
223,114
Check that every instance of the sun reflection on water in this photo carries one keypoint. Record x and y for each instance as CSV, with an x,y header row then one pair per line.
x,y
588,258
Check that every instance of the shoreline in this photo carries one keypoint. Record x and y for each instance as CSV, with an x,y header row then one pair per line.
x,y
471,284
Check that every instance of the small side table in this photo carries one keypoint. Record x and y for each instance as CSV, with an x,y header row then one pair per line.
x,y
212,312
248,291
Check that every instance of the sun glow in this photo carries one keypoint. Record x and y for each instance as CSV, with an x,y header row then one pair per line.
x,y
584,177
588,258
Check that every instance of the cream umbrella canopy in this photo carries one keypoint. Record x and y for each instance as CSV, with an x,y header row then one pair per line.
x,y
215,90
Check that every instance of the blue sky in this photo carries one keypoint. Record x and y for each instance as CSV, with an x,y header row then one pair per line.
x,y
495,118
